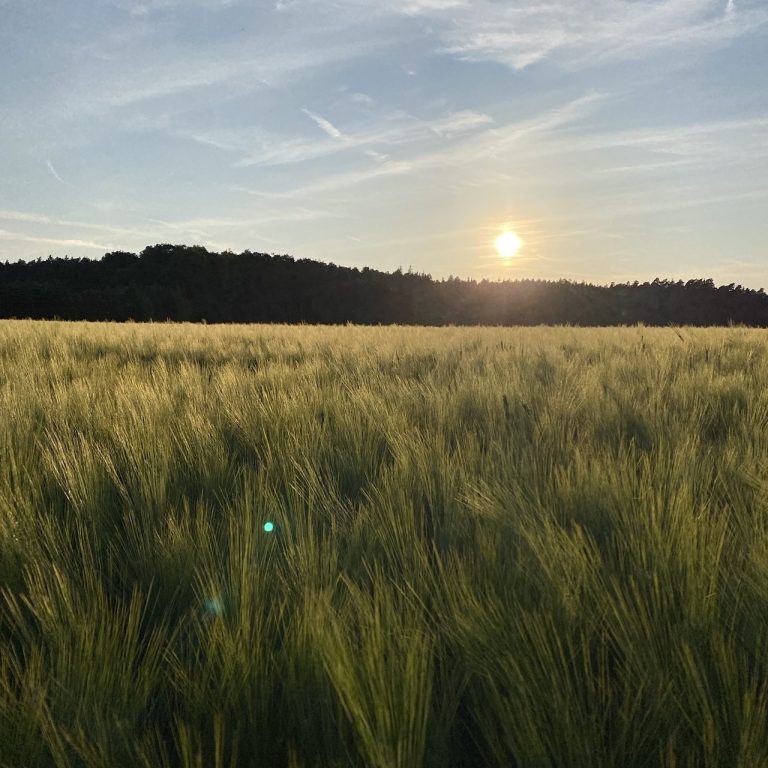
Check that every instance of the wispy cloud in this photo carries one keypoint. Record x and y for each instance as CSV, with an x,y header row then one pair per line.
x,y
326,126
468,150
496,142
421,7
362,98
148,7
53,172
579,32
686,199
729,138
120,80
336,182
64,242
31,217
460,122
268,217
389,131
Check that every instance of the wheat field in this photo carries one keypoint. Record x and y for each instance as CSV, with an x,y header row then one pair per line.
x,y
489,547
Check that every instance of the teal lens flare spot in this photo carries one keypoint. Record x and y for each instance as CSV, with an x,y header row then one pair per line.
x,y
269,527
214,606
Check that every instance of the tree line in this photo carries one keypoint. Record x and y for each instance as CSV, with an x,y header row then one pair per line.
x,y
190,283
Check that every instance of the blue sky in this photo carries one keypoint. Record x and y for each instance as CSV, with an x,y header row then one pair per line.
x,y
621,139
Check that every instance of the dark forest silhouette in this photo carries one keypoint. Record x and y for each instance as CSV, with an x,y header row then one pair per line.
x,y
176,282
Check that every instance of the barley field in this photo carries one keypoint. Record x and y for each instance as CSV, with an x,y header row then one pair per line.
x,y
488,547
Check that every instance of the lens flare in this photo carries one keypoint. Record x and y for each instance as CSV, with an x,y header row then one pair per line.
x,y
269,527
214,606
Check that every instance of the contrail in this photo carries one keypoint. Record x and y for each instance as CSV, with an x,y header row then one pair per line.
x,y
53,172
324,125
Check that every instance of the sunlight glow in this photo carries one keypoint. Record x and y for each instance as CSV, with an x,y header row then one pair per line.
x,y
508,244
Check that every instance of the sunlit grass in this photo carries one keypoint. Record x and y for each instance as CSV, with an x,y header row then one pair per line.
x,y
385,547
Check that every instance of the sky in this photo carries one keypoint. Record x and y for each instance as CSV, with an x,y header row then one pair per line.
x,y
620,139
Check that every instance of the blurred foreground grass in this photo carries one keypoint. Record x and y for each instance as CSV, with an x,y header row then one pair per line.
x,y
492,547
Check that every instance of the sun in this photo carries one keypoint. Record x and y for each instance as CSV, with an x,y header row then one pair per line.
x,y
508,244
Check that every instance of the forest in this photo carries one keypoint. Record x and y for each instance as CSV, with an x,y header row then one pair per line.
x,y
191,284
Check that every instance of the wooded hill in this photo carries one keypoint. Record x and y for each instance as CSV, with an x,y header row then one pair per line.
x,y
177,282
